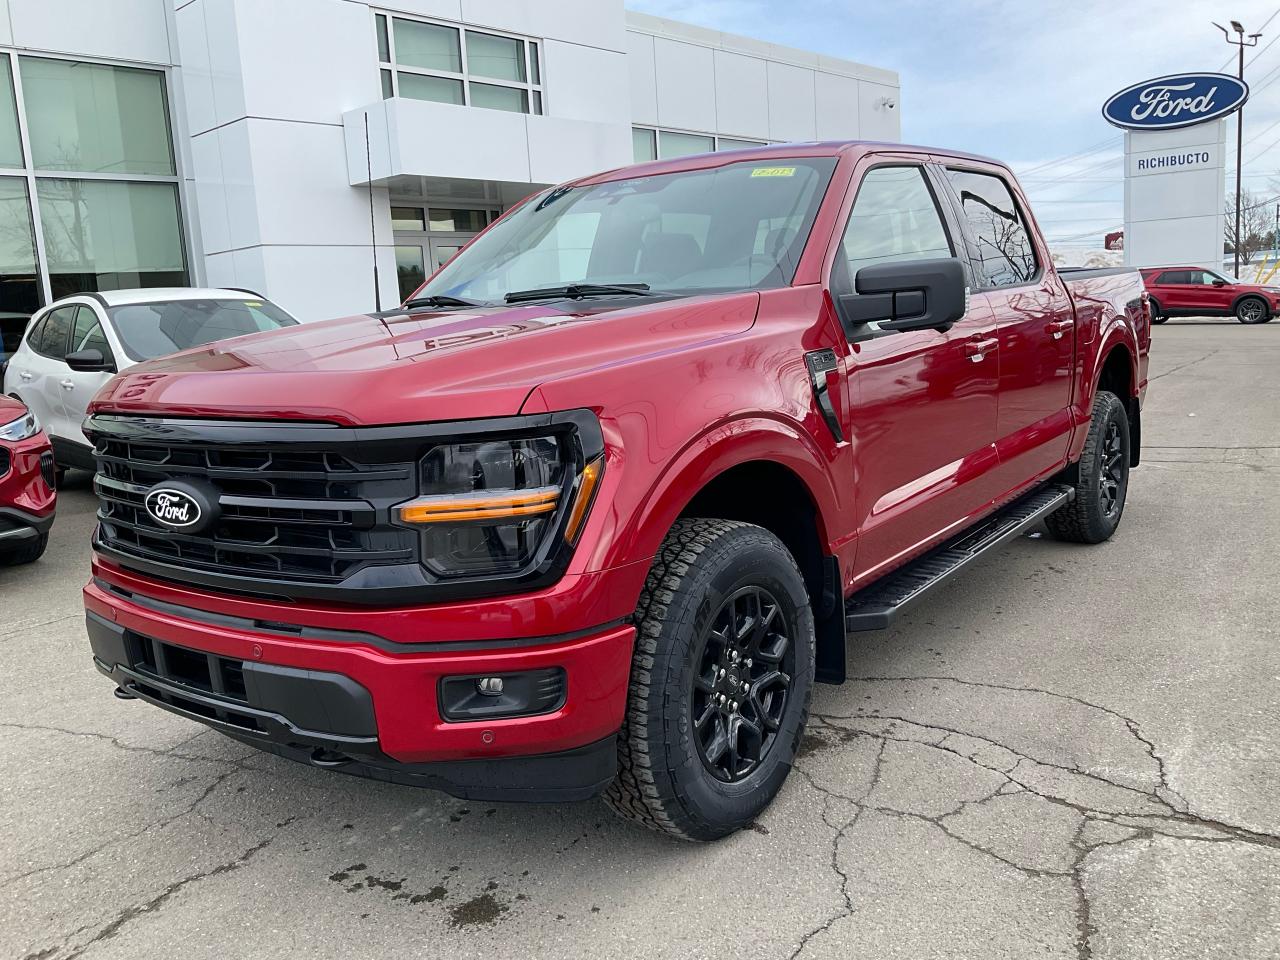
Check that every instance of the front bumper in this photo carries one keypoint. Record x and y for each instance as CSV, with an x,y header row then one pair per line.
x,y
342,699
18,526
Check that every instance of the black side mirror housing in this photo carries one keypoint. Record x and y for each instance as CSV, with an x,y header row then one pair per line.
x,y
910,295
89,361
1219,283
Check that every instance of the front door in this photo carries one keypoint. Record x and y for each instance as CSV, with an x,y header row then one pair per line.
x,y
1035,323
428,237
923,403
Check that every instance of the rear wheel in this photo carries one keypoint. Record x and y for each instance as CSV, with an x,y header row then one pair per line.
x,y
1156,315
720,682
1252,310
1103,477
28,552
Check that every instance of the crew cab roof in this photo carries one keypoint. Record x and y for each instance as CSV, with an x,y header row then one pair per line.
x,y
775,151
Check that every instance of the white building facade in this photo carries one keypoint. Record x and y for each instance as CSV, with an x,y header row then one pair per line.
x,y
298,147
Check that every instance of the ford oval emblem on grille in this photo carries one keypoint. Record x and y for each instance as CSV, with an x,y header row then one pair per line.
x,y
182,507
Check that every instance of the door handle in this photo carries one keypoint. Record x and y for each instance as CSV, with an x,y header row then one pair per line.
x,y
1059,327
67,384
28,377
977,349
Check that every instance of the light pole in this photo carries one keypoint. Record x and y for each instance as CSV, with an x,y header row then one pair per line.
x,y
1240,42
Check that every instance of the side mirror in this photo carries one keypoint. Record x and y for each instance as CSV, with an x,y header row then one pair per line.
x,y
89,361
912,295
1219,283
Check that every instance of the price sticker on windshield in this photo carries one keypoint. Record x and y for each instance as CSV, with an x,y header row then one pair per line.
x,y
774,172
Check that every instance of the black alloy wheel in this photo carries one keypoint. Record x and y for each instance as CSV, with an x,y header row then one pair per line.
x,y
1115,471
1251,310
743,681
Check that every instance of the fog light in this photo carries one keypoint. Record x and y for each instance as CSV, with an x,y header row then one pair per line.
x,y
489,686
523,694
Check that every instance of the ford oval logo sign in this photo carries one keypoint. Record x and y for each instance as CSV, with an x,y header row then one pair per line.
x,y
1177,101
179,506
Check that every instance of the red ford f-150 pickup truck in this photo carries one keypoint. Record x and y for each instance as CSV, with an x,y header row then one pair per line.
x,y
595,509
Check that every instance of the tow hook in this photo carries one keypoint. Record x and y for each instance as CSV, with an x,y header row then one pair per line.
x,y
123,694
327,758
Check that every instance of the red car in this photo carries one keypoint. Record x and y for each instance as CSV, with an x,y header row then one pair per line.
x,y
595,509
1197,292
27,497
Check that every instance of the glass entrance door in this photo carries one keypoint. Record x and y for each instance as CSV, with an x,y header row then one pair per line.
x,y
428,238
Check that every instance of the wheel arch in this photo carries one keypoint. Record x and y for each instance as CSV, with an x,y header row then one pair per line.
x,y
1118,373
1235,304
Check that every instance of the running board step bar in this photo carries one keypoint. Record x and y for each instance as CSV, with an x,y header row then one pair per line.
x,y
874,607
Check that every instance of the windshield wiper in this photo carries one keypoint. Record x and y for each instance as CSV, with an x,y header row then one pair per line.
x,y
576,291
434,301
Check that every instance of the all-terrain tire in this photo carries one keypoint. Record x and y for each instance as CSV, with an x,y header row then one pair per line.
x,y
28,552
665,780
1103,477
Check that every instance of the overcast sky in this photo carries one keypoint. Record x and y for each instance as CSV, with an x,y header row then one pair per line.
x,y
1025,81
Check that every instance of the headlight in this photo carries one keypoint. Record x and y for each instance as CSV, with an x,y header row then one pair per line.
x,y
501,506
25,426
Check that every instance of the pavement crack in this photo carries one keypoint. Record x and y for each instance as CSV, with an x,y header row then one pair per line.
x,y
131,913
1183,366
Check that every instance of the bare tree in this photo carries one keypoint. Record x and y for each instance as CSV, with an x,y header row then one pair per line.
x,y
1257,225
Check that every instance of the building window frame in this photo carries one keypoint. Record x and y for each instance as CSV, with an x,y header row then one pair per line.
x,y
656,132
33,176
389,70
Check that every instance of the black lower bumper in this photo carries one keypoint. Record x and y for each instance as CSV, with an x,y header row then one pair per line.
x,y
324,720
18,526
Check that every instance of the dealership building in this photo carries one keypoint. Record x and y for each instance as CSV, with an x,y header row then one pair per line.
x,y
290,146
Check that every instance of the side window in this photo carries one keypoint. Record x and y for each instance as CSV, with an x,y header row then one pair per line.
x,y
35,332
894,218
88,335
53,336
1005,255
1171,276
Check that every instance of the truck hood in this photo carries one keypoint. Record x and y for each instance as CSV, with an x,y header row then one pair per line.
x,y
417,366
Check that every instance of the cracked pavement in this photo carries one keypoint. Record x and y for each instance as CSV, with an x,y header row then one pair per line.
x,y
1067,752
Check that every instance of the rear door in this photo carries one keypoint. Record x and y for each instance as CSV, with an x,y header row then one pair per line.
x,y
1035,323
43,386
923,403
1175,290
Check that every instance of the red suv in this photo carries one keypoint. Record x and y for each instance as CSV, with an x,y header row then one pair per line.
x,y
1197,292
26,484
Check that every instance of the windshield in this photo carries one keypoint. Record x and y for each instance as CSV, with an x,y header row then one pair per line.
x,y
150,330
741,226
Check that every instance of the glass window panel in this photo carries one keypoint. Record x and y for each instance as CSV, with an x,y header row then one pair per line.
x,y
457,221
728,143
10,144
534,63
384,48
428,47
439,89
537,102
88,334
110,235
407,218
1004,250
683,144
150,330
499,98
96,118
498,57
387,90
894,218
642,145
409,270
56,330
19,285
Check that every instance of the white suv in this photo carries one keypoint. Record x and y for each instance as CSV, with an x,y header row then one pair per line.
x,y
75,345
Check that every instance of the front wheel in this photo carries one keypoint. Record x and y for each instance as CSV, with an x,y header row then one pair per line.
x,y
720,682
28,552
1103,477
1252,310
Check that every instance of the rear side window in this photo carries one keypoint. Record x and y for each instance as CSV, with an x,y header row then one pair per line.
x,y
1005,255
51,338
894,218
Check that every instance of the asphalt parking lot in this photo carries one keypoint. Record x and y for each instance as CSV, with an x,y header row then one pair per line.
x,y
1069,752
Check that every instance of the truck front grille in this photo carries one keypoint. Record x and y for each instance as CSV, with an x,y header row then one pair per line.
x,y
298,504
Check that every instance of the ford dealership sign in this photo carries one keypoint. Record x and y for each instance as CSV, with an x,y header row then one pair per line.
x,y
1177,101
